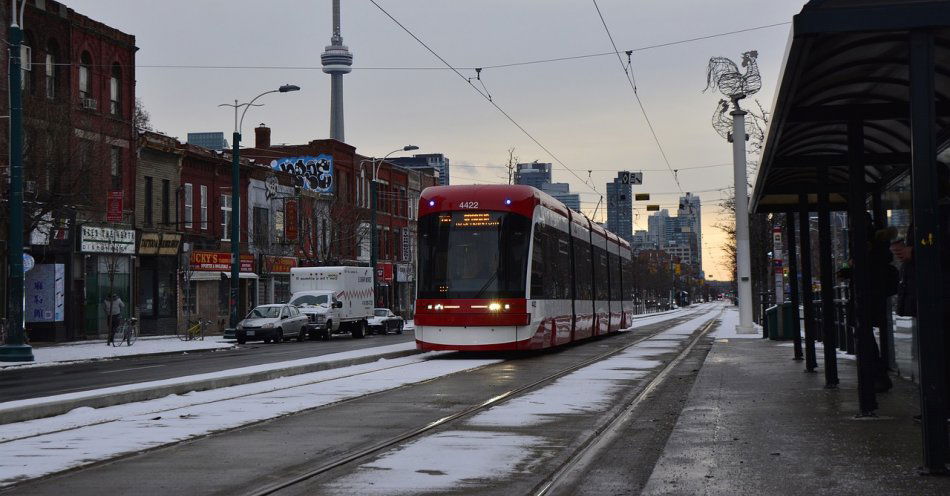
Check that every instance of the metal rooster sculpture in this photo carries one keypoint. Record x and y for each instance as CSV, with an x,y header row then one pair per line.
x,y
725,76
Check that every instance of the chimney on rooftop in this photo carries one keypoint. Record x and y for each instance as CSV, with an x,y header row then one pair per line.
x,y
262,136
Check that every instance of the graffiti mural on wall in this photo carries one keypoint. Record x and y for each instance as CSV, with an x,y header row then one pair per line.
x,y
312,173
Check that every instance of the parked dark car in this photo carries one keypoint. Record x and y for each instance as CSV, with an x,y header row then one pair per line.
x,y
384,321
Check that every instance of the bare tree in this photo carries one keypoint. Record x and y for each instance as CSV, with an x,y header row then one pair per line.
x,y
141,119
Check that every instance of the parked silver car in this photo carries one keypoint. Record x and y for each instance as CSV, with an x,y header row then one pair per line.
x,y
271,323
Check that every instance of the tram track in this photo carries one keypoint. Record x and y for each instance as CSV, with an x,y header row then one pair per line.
x,y
364,453
611,428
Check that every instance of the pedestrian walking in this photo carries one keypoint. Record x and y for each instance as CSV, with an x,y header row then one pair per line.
x,y
113,306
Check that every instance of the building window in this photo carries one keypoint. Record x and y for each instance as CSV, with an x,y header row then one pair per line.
x,y
166,206
85,76
26,68
114,82
148,201
204,208
261,227
226,217
189,205
115,154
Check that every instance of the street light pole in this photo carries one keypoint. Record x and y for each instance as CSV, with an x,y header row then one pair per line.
x,y
236,200
15,349
743,263
373,241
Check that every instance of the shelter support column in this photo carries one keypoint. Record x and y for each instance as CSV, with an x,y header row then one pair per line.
x,y
829,335
881,306
793,282
808,302
868,358
927,241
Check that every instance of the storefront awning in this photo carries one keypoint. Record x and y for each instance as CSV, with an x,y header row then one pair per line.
x,y
242,275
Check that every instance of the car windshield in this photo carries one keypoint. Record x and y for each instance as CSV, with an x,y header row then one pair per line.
x,y
309,300
264,313
381,312
473,255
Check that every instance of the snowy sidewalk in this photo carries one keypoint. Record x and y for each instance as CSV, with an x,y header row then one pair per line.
x,y
68,353
756,423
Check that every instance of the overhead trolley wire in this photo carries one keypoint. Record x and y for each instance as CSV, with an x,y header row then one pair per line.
x,y
480,92
628,72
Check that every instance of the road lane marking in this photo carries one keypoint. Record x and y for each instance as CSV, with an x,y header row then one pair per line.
x,y
133,368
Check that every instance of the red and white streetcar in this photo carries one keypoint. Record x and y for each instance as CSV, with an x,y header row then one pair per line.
x,y
511,268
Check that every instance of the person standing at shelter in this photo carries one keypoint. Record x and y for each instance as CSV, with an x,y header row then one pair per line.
x,y
113,306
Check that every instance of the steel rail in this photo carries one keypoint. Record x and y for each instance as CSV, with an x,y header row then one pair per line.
x,y
396,440
609,430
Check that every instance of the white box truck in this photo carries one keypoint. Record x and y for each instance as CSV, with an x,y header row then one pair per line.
x,y
335,299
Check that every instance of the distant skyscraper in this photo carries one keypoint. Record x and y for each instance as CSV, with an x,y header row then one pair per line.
x,y
534,174
691,212
620,208
211,141
435,161
336,59
562,192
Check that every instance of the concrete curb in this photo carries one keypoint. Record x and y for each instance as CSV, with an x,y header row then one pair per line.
x,y
34,411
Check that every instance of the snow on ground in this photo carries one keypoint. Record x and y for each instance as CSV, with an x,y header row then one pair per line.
x,y
458,459
87,435
98,350
728,323
468,459
345,355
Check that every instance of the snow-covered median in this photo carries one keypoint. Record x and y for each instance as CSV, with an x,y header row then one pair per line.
x,y
46,446
81,352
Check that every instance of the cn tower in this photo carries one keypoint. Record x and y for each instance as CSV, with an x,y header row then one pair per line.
x,y
336,59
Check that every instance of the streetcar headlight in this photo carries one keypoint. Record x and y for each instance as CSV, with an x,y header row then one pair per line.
x,y
507,306
494,306
429,307
438,306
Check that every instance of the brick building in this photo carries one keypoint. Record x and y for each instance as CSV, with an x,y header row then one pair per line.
x,y
79,98
333,184
157,188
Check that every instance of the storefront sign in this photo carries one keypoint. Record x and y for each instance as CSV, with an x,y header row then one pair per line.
x,y
45,293
169,244
219,261
384,272
114,206
148,243
404,273
278,265
95,239
290,220
406,253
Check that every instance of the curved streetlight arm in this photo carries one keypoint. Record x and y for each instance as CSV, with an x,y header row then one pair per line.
x,y
240,125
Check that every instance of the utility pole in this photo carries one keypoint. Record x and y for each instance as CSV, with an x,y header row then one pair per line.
x,y
15,349
743,263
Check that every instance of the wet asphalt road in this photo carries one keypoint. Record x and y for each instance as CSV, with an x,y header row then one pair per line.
x,y
34,382
240,460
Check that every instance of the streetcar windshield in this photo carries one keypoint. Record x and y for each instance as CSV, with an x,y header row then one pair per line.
x,y
473,255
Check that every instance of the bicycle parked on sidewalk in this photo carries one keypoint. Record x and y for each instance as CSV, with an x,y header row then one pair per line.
x,y
195,330
127,332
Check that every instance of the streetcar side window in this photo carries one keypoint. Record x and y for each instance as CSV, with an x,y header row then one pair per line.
x,y
583,270
601,288
539,282
615,277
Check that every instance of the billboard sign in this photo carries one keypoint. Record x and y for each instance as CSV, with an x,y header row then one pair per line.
x,y
114,206
310,173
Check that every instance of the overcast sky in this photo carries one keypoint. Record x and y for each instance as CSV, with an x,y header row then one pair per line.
x,y
582,110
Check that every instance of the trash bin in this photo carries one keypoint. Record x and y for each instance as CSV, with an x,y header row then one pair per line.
x,y
772,322
789,314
